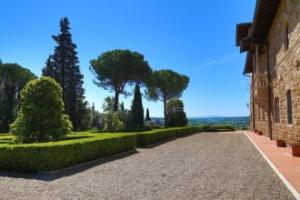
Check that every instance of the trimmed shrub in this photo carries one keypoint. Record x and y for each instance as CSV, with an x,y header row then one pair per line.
x,y
154,136
112,122
57,155
41,115
217,128
176,116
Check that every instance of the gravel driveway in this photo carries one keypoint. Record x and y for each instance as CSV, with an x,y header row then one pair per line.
x,y
202,166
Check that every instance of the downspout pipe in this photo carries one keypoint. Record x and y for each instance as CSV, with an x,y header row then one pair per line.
x,y
252,115
269,95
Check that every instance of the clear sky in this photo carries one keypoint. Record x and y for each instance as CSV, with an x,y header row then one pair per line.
x,y
193,37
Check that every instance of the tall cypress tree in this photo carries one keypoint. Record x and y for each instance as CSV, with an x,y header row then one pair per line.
x,y
137,111
63,66
148,115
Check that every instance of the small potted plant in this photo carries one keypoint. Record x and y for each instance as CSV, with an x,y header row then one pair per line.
x,y
280,143
296,149
255,131
260,133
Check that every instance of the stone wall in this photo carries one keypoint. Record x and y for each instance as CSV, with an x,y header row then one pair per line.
x,y
285,66
260,87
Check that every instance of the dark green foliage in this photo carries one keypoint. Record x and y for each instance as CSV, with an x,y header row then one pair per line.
x,y
85,113
148,115
13,78
115,69
108,104
96,118
176,116
165,85
57,155
217,128
113,122
63,66
41,115
137,110
154,136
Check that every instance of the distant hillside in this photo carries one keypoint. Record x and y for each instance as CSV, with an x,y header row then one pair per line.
x,y
238,122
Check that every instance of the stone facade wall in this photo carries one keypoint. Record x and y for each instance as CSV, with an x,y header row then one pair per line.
x,y
285,71
261,104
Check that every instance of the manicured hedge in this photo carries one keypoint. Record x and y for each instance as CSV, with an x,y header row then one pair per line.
x,y
158,135
224,127
83,147
56,155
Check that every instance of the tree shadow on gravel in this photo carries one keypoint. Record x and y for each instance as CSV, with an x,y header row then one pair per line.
x,y
69,171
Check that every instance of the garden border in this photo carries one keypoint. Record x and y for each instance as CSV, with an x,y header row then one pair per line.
x,y
53,158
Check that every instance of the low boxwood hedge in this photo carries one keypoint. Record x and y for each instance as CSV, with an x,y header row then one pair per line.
x,y
56,155
158,135
222,127
83,147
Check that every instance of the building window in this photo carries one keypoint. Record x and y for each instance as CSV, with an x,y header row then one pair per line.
x,y
286,37
263,118
289,107
258,113
276,110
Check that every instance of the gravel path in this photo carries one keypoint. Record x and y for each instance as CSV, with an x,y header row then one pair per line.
x,y
203,166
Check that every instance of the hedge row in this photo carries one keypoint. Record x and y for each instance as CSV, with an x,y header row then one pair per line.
x,y
57,155
224,127
82,148
154,136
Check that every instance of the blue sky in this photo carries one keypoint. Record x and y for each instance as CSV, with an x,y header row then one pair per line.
x,y
193,37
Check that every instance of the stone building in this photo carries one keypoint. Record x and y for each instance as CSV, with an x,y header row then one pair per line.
x,y
272,44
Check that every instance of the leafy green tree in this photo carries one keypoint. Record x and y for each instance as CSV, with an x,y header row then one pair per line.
x,y
63,66
165,85
148,115
41,115
137,110
112,122
13,78
176,116
108,104
115,69
96,118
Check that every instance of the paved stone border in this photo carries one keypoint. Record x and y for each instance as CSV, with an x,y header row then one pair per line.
x,y
280,175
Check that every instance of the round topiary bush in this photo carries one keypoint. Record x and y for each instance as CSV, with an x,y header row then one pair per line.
x,y
176,116
41,115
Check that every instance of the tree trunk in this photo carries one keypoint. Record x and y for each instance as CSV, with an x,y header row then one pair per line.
x,y
116,103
